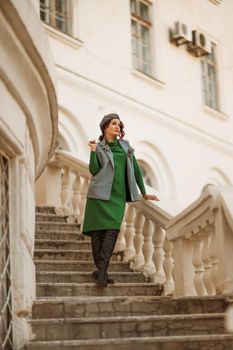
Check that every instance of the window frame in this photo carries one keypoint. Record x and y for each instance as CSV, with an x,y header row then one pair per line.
x,y
51,15
211,84
138,61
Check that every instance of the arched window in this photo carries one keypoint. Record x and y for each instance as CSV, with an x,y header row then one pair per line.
x,y
155,168
61,143
148,175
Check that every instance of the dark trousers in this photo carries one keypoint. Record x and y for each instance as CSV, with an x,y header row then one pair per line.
x,y
103,243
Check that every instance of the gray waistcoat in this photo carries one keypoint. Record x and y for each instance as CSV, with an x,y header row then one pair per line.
x,y
101,184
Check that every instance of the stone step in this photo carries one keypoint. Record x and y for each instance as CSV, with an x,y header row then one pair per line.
x,y
127,327
77,265
46,217
57,226
92,289
59,235
62,244
85,277
45,210
125,306
65,254
198,342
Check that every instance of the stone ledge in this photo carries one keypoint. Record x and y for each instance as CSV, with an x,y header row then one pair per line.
x,y
127,326
87,289
57,223
205,342
140,318
76,265
86,277
96,306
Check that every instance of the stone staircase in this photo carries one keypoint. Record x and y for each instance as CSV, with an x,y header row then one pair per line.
x,y
72,312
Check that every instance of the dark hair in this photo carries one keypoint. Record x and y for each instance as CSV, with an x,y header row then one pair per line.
x,y
104,127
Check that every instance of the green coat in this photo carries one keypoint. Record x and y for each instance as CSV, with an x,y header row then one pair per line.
x,y
108,214
100,186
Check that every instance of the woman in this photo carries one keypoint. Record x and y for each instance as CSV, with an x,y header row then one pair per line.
x,y
115,176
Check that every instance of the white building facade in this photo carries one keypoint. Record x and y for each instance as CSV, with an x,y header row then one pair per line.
x,y
174,96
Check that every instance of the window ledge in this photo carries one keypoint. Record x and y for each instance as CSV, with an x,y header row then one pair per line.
x,y
148,78
215,113
65,38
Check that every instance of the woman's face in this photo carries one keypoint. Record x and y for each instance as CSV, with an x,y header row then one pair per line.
x,y
113,129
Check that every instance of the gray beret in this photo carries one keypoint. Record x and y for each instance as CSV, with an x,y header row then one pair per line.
x,y
107,118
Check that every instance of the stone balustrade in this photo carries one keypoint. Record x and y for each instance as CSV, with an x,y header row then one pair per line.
x,y
146,245
202,238
63,184
188,253
142,238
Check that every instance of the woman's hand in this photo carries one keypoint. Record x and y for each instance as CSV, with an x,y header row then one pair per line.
x,y
92,144
151,197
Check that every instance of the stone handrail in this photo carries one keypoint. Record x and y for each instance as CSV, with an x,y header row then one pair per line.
x,y
202,237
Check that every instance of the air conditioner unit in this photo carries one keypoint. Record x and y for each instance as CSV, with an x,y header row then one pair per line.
x,y
181,34
200,45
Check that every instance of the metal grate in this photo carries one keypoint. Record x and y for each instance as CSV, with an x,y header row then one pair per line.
x,y
6,333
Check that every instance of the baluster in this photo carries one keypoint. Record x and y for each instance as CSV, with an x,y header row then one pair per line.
x,y
83,196
65,188
120,244
129,233
207,264
198,266
148,268
169,285
158,256
214,261
138,242
76,197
